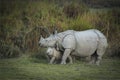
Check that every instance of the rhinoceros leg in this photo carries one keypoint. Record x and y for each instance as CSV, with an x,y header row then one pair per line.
x,y
70,59
101,50
48,58
65,55
98,60
52,60
92,60
100,53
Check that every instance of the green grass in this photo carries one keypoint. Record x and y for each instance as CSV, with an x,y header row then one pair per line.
x,y
27,68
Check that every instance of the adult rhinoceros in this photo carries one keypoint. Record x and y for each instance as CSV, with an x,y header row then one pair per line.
x,y
79,43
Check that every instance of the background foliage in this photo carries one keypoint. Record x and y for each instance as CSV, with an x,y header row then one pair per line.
x,y
22,22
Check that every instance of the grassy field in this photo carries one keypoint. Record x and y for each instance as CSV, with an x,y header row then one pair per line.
x,y
27,68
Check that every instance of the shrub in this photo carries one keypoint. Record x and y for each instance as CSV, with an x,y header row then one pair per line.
x,y
40,54
72,10
8,51
80,24
19,20
114,48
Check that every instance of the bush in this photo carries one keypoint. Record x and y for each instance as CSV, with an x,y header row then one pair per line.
x,y
8,51
19,20
79,24
40,54
114,48
72,10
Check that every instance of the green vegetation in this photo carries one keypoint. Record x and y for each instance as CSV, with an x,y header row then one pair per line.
x,y
27,68
22,23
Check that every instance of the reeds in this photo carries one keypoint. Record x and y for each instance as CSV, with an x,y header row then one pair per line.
x,y
22,23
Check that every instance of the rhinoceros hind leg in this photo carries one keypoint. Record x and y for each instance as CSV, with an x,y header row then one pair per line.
x,y
100,51
99,58
93,58
92,61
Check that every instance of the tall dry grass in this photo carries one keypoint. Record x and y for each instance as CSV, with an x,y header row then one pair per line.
x,y
22,22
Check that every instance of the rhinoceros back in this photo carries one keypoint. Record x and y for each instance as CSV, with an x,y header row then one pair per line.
x,y
86,42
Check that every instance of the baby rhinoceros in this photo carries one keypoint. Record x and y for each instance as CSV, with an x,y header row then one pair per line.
x,y
55,55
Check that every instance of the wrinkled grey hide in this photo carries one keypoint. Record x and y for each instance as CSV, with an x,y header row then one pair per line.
x,y
79,43
55,55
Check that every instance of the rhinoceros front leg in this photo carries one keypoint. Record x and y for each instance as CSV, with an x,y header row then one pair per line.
x,y
48,58
70,59
52,60
65,55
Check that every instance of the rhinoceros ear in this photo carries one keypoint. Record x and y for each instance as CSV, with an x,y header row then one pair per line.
x,y
41,38
55,32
